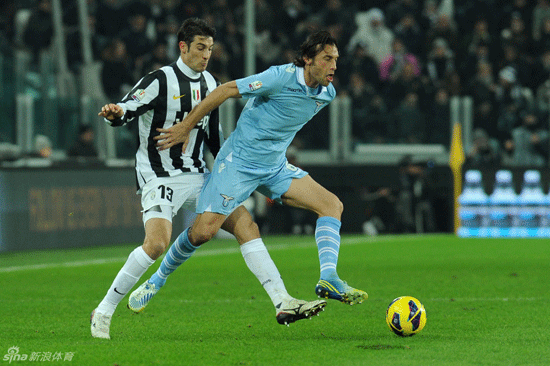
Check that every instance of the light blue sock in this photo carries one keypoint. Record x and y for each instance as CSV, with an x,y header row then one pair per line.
x,y
327,237
179,252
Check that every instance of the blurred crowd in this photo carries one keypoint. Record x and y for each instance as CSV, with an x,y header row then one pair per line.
x,y
401,60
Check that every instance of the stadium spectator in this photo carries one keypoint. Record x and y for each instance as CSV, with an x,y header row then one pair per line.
x,y
522,7
543,43
541,12
409,124
369,121
392,66
407,82
156,59
397,10
438,124
441,62
516,35
360,60
482,88
111,18
510,101
38,33
529,142
43,147
519,62
445,29
485,151
471,60
373,33
410,32
138,44
84,145
115,74
543,97
429,15
478,45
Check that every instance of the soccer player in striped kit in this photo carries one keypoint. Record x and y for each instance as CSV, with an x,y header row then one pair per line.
x,y
173,178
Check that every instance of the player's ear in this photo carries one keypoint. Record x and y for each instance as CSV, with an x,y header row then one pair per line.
x,y
308,61
183,47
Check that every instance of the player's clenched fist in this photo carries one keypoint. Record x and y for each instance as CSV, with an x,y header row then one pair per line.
x,y
111,111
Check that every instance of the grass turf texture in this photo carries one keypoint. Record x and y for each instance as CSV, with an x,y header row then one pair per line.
x,y
487,303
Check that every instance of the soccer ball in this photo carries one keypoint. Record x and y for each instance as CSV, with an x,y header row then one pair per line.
x,y
406,316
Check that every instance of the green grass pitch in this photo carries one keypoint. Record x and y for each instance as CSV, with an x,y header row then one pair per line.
x,y
487,303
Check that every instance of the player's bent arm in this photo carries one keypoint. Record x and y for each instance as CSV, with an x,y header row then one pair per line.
x,y
180,131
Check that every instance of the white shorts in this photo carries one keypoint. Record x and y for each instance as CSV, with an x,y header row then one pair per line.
x,y
163,197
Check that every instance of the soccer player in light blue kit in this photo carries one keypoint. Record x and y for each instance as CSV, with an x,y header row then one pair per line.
x,y
282,100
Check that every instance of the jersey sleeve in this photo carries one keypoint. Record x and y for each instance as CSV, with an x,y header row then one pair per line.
x,y
140,99
214,135
265,83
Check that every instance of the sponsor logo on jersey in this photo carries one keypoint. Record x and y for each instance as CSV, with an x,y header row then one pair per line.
x,y
255,85
176,97
295,90
138,95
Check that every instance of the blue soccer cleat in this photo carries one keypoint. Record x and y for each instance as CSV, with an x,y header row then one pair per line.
x,y
341,291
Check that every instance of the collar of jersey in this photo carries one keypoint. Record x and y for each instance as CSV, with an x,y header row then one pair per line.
x,y
311,92
187,71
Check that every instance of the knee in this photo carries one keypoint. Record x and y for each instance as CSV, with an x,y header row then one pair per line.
x,y
334,207
199,236
246,231
155,247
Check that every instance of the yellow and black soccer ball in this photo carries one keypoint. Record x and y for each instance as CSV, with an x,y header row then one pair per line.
x,y
406,316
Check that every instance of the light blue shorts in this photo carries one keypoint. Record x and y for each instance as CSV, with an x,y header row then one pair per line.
x,y
230,183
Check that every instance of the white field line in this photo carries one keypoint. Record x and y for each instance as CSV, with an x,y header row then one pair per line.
x,y
212,252
461,300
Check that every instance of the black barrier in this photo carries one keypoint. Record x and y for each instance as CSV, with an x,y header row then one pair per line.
x,y
88,206
62,208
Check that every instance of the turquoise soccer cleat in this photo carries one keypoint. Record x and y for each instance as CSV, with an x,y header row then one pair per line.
x,y
341,291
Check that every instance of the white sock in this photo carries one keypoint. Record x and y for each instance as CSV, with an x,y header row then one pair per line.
x,y
137,263
260,263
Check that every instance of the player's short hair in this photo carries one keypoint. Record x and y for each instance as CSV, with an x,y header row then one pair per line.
x,y
314,44
194,27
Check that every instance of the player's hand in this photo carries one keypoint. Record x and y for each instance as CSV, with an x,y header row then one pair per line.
x,y
174,135
111,111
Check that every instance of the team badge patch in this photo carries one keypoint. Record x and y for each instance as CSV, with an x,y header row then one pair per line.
x,y
138,95
196,95
255,85
226,200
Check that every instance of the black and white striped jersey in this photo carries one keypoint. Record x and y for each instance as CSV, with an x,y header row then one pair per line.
x,y
158,100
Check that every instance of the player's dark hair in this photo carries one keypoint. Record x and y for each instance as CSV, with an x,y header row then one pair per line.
x,y
194,27
314,44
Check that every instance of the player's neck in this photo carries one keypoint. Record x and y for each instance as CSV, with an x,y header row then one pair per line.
x,y
310,81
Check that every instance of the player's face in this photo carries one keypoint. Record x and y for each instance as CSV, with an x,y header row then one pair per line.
x,y
320,69
196,56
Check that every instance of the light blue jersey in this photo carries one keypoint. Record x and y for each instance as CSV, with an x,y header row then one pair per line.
x,y
280,105
254,155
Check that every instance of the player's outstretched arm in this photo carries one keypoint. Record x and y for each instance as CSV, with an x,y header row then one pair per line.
x,y
180,132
